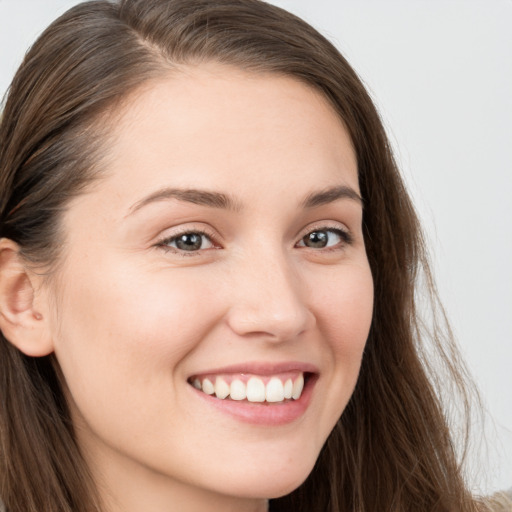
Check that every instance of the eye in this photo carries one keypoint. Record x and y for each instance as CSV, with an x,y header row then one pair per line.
x,y
189,241
325,238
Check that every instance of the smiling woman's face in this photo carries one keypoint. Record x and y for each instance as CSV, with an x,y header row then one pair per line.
x,y
221,252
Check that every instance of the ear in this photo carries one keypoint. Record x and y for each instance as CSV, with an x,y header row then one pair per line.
x,y
23,311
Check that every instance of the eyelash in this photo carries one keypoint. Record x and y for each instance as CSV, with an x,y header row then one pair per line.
x,y
344,235
164,244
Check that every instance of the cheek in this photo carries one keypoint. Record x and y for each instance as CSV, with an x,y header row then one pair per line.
x,y
344,314
123,330
344,307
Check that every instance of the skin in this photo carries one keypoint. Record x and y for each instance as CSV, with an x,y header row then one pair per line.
x,y
132,318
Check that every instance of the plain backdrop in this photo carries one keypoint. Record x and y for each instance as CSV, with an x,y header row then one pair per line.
x,y
441,75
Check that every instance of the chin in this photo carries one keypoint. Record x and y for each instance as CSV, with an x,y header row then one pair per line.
x,y
284,488
269,484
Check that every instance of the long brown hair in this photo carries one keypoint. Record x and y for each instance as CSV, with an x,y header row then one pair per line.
x,y
392,448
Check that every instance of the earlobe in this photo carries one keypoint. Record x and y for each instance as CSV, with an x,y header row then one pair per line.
x,y
23,322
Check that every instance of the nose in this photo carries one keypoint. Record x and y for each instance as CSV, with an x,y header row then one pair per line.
x,y
269,300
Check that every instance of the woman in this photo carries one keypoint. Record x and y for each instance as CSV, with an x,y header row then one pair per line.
x,y
207,272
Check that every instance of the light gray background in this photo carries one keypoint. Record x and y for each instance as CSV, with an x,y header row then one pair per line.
x,y
441,74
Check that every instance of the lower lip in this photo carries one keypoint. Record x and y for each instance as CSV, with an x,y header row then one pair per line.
x,y
264,413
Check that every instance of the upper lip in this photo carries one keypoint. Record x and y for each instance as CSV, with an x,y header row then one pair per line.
x,y
261,368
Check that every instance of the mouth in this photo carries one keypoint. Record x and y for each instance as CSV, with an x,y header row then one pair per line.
x,y
272,389
258,393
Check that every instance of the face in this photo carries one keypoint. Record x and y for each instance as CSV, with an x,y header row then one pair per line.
x,y
217,263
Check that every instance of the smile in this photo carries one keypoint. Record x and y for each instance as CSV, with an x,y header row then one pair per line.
x,y
253,388
259,393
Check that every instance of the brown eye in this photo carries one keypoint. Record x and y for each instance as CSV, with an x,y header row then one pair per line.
x,y
324,238
191,241
317,239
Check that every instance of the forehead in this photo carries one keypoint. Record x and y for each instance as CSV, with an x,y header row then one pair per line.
x,y
215,108
225,129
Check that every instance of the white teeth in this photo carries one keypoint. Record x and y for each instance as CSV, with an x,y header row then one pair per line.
x,y
255,390
288,388
238,391
275,390
208,387
298,386
221,388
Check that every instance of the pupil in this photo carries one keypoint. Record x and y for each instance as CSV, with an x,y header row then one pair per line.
x,y
189,242
317,239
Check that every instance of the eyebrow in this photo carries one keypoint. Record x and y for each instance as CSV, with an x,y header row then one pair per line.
x,y
226,202
195,196
330,195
